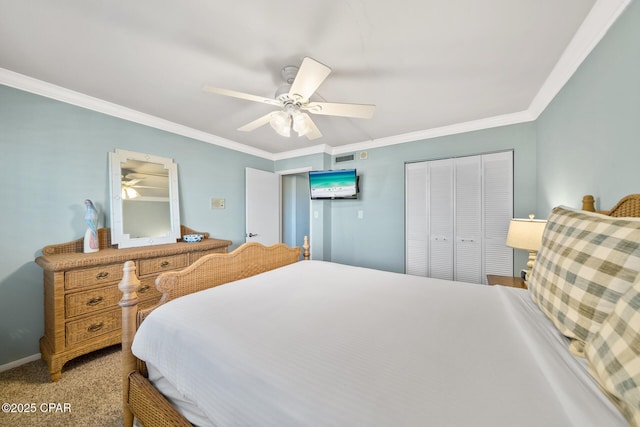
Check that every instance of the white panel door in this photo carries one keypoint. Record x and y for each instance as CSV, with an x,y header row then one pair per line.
x,y
262,201
416,218
468,219
440,213
498,211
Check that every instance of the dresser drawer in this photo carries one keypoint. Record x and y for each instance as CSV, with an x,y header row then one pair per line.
x,y
148,291
158,265
109,296
197,255
86,329
92,276
88,301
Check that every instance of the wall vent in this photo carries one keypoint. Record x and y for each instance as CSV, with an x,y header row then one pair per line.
x,y
346,158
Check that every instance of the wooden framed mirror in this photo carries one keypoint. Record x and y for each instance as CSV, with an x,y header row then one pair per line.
x,y
145,207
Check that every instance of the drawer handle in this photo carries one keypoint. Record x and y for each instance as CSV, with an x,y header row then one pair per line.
x,y
102,275
144,289
164,264
95,301
95,327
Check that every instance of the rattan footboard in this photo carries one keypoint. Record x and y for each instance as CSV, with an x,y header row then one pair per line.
x,y
149,406
140,398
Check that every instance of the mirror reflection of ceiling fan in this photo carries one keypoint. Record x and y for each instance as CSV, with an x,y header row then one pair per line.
x,y
293,99
133,185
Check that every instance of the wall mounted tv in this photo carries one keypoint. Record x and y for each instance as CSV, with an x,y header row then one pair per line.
x,y
333,184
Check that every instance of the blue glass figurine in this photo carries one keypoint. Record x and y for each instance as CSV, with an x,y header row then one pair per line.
x,y
91,236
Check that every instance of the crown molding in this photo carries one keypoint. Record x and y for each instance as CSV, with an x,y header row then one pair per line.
x,y
603,14
59,93
474,125
597,23
316,149
600,18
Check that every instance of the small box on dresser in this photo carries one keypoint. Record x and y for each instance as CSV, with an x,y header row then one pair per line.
x,y
81,312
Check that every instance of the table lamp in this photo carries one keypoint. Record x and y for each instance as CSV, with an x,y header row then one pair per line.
x,y
526,234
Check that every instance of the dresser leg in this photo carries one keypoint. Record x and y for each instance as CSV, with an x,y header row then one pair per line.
x,y
55,367
53,363
55,376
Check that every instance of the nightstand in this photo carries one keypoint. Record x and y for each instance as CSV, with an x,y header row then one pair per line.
x,y
511,281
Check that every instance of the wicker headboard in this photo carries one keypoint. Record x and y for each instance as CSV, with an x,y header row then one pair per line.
x,y
216,269
628,206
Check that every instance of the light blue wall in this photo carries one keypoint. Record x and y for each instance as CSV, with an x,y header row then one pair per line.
x,y
320,222
295,209
589,136
54,156
377,240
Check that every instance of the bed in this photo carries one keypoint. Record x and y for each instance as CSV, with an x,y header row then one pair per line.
x,y
288,343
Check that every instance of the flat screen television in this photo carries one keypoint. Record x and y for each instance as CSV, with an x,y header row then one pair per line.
x,y
333,184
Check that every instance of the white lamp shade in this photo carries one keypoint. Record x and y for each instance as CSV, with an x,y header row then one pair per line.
x,y
301,123
525,234
281,123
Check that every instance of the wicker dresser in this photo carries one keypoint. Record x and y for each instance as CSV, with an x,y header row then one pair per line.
x,y
81,295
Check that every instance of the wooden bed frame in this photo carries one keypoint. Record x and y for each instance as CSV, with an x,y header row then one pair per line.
x,y
628,206
140,397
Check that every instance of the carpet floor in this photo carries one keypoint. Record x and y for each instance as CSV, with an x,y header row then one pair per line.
x,y
88,394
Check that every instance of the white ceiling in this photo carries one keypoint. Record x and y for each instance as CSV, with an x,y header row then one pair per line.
x,y
431,67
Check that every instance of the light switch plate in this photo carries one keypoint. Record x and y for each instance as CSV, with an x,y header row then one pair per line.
x,y
217,203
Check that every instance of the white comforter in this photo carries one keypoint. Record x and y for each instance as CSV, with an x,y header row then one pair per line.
x,y
324,344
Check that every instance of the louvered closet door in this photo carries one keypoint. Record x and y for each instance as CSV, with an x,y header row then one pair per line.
x,y
440,218
468,219
498,211
457,217
416,218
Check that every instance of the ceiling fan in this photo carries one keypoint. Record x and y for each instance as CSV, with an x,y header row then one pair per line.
x,y
293,98
132,184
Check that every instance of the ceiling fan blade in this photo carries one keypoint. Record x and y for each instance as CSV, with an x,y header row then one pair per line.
x,y
360,111
149,186
313,132
310,76
257,123
131,182
241,95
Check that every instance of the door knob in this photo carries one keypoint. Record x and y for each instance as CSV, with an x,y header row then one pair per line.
x,y
252,235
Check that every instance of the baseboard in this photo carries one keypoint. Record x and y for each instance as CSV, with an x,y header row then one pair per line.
x,y
19,362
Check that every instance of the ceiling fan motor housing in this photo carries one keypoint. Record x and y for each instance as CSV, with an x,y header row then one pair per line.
x,y
282,93
289,73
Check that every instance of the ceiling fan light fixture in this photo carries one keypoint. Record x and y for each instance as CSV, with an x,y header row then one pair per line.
x,y
301,123
295,95
129,193
281,123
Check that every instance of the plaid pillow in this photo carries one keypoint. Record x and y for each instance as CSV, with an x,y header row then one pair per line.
x,y
586,263
614,355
